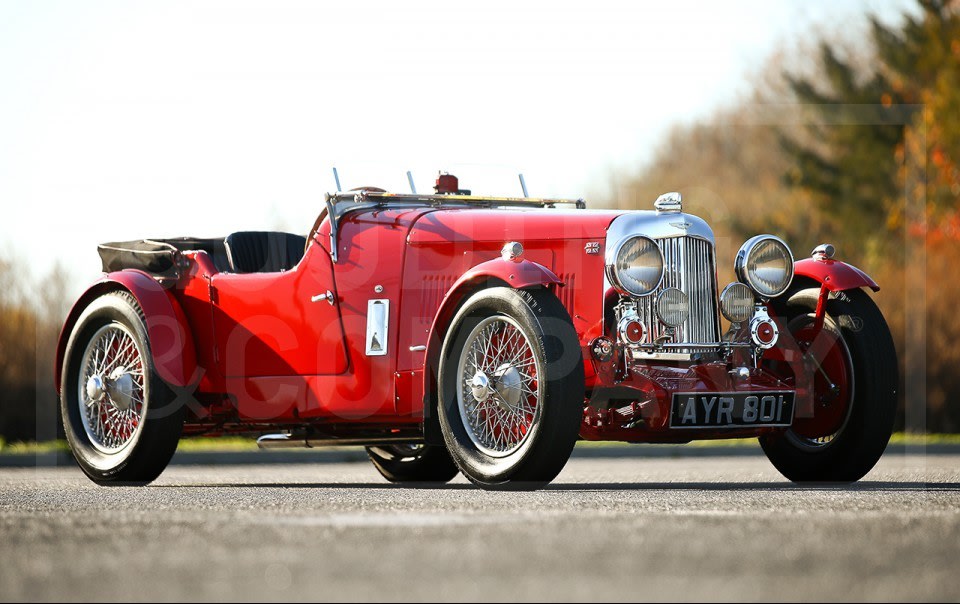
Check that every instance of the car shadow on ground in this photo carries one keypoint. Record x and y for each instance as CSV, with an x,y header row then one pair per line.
x,y
863,486
884,486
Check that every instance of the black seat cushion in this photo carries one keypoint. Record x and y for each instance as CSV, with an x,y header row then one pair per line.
x,y
263,251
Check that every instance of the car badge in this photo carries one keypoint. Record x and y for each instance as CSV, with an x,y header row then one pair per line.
x,y
592,247
683,226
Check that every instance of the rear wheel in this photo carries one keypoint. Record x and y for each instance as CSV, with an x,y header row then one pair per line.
x,y
413,463
851,366
119,417
511,388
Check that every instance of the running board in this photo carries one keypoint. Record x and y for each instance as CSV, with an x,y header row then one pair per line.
x,y
288,441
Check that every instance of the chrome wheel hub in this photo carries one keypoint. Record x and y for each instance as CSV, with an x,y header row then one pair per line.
x,y
118,389
480,387
508,385
500,390
96,389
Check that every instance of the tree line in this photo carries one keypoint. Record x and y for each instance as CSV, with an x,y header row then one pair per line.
x,y
31,313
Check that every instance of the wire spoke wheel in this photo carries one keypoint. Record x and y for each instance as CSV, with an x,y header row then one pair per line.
x,y
111,388
849,368
500,387
121,420
828,355
511,388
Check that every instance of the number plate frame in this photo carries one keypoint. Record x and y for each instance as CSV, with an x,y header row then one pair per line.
x,y
732,410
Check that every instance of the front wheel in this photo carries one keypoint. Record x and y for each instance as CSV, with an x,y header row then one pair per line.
x,y
850,367
511,388
120,418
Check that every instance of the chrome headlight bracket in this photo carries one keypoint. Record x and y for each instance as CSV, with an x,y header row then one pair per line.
x,y
763,329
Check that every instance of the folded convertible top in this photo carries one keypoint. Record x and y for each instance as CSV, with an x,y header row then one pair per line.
x,y
155,257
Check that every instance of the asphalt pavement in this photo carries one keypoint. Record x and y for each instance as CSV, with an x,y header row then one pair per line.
x,y
657,528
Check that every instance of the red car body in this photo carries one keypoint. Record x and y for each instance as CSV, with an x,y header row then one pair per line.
x,y
257,354
289,351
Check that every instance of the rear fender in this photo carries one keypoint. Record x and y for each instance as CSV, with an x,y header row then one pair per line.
x,y
171,343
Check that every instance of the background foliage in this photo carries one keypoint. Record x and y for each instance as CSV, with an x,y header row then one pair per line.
x,y
858,146
30,317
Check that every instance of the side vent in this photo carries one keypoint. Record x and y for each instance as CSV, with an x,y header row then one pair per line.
x,y
435,287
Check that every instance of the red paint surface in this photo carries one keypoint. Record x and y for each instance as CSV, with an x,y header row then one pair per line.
x,y
835,275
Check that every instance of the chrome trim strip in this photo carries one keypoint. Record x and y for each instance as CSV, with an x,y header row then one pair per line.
x,y
666,352
339,204
289,441
640,355
698,345
649,223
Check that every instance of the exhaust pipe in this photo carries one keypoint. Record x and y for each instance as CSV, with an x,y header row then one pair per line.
x,y
288,441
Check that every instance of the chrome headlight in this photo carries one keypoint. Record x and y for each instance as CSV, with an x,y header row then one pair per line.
x,y
635,265
765,264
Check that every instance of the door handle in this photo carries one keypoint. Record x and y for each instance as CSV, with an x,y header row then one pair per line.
x,y
329,297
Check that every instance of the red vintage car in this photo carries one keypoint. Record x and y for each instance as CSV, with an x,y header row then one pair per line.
x,y
456,333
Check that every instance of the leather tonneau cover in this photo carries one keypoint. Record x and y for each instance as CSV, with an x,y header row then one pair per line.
x,y
155,257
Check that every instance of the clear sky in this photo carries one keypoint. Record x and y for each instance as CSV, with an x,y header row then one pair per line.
x,y
121,120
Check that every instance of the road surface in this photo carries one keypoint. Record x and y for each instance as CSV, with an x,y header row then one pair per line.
x,y
702,528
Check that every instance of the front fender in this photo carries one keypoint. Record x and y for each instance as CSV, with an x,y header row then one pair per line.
x,y
833,274
517,274
171,343
496,272
512,273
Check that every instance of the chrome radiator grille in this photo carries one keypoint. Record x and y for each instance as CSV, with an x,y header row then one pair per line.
x,y
689,266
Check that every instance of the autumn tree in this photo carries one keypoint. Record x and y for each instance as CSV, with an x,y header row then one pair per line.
x,y
880,159
870,165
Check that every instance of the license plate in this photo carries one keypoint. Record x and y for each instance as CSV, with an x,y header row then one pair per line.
x,y
731,410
